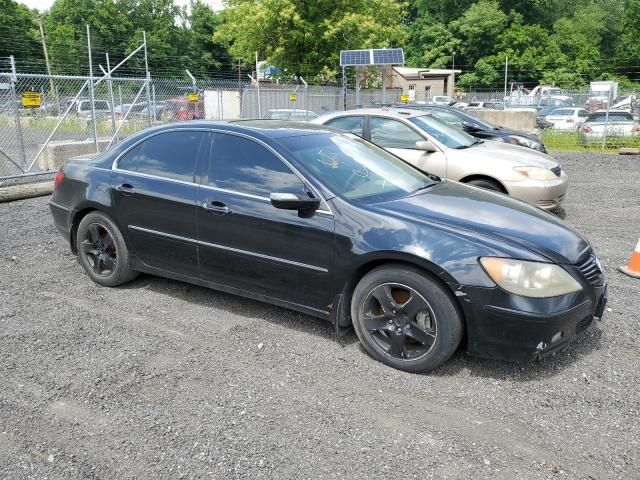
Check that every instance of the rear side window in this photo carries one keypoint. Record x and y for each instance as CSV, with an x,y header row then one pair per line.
x,y
613,117
389,133
242,165
353,124
170,155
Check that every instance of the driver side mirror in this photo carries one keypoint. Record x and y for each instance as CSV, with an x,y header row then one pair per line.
x,y
426,145
294,201
471,127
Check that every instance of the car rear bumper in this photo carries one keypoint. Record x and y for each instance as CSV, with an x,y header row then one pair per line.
x,y
62,219
544,194
506,327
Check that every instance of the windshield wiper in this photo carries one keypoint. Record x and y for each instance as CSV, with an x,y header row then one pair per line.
x,y
475,142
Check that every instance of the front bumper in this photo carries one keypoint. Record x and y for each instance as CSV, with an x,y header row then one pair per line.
x,y
508,327
544,194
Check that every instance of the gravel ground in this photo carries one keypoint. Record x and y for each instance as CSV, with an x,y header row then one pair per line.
x,y
162,379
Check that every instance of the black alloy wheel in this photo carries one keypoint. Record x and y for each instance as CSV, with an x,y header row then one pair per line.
x,y
400,321
100,250
406,318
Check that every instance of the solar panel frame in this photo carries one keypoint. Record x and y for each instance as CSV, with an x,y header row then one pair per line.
x,y
376,56
355,57
388,56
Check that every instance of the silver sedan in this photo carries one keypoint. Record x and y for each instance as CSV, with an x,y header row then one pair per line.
x,y
438,148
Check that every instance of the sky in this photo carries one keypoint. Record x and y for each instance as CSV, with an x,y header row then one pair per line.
x,y
45,4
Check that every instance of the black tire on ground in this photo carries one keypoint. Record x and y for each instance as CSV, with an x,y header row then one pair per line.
x,y
405,318
486,184
102,251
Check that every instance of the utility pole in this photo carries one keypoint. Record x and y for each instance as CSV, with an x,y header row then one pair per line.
x,y
453,74
258,86
46,58
506,70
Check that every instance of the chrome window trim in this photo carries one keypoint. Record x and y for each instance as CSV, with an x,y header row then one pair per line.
x,y
230,249
115,168
114,165
295,171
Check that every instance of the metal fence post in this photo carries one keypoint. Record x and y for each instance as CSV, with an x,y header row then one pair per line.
x,y
113,107
606,120
14,80
146,67
94,120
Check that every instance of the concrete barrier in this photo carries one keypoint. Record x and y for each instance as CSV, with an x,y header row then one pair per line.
x,y
55,153
523,119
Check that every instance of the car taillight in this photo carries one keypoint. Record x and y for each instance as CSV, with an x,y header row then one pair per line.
x,y
57,180
586,130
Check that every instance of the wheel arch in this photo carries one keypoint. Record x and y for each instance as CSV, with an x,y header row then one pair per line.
x,y
77,218
343,313
479,176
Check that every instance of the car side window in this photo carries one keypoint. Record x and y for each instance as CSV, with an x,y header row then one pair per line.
x,y
170,155
245,166
353,124
390,133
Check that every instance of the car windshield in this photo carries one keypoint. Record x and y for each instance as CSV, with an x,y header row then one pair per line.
x,y
354,168
443,132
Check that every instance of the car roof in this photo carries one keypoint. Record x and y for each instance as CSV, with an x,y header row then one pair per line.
x,y
390,112
260,127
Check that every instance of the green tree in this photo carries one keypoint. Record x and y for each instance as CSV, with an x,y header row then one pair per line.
x,y
478,28
305,38
19,35
430,44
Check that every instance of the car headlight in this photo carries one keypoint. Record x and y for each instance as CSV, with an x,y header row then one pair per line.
x,y
536,173
529,279
522,141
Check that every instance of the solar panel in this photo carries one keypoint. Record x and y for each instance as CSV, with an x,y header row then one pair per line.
x,y
355,57
388,56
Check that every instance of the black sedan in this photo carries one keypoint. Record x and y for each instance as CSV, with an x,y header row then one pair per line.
x,y
480,128
328,224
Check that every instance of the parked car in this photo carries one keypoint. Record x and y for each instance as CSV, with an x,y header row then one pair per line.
x,y
618,124
436,147
101,107
554,102
129,110
326,223
567,118
493,105
290,114
442,100
181,109
479,128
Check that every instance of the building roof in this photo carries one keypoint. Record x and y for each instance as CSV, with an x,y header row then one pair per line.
x,y
423,73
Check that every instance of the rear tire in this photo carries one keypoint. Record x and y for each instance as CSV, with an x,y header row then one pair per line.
x,y
102,251
486,184
406,319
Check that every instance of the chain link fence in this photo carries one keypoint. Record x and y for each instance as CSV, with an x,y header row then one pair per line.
x,y
45,119
572,120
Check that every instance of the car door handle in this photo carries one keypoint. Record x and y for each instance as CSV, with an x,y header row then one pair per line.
x,y
217,208
126,189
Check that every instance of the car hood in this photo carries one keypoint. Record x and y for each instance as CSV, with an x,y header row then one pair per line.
x,y
516,154
494,216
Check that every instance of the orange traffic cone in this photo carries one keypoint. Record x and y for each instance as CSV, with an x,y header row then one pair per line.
x,y
633,267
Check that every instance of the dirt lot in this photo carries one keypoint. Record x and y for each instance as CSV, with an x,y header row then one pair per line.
x,y
166,380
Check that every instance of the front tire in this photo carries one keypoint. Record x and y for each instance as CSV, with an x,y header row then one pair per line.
x,y
486,184
102,251
406,319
